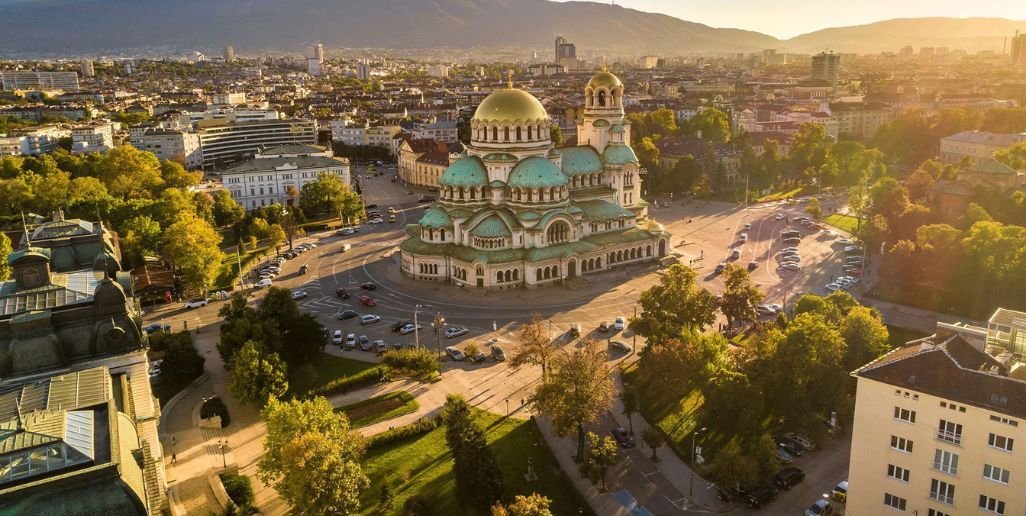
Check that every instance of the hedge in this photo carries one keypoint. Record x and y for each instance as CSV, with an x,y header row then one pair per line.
x,y
348,383
401,433
238,488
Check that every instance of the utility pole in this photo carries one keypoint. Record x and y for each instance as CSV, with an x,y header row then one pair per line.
x,y
438,323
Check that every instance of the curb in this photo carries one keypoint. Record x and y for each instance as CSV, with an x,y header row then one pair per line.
x,y
182,393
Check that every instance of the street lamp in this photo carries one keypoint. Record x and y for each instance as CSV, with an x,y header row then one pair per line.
x,y
438,323
416,329
222,445
694,437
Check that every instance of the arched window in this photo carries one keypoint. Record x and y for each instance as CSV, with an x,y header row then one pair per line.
x,y
538,274
598,263
442,233
530,135
480,270
495,134
505,134
558,232
548,273
516,274
602,99
460,194
473,193
529,196
498,277
519,138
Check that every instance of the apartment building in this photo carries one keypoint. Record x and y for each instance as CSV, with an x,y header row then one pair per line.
x,y
860,119
12,146
380,136
940,424
277,175
225,143
42,139
342,131
440,131
25,80
181,146
94,137
975,145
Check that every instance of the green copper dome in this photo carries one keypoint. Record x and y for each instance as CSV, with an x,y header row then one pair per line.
x,y
604,79
491,227
536,172
618,154
581,160
510,105
436,218
468,171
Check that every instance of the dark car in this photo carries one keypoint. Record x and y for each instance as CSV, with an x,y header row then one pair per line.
x,y
760,496
624,439
603,327
425,198
341,293
368,286
155,327
792,240
752,265
371,206
788,477
348,314
791,447
304,269
731,494
399,325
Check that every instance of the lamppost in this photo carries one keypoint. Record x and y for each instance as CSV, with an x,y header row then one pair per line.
x,y
694,437
507,407
438,323
416,328
222,445
288,224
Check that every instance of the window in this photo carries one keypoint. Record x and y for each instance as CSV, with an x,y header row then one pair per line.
x,y
942,491
1000,442
950,432
935,512
945,461
901,444
991,504
1004,420
894,501
995,473
906,415
897,472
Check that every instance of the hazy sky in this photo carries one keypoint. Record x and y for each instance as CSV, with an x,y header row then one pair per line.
x,y
787,18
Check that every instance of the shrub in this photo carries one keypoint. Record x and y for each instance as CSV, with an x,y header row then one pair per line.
x,y
348,383
412,361
181,360
417,428
215,407
239,489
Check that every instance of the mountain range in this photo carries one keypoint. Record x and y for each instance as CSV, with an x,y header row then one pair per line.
x,y
71,27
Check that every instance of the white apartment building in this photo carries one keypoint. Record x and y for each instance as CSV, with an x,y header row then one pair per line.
x,y
341,131
438,70
23,80
94,137
861,120
267,178
940,424
228,99
42,139
438,131
181,146
224,143
231,114
12,146
381,136
975,145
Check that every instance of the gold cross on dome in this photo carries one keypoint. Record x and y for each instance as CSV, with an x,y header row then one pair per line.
x,y
509,74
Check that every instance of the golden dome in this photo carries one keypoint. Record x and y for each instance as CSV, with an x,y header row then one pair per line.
x,y
604,79
510,105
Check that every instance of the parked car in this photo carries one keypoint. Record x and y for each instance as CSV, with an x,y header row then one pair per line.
x,y
779,216
792,240
743,238
791,448
620,346
843,241
788,477
764,310
735,254
783,456
408,329
603,327
498,354
752,265
155,327
367,346
720,267
820,508
368,301
730,494
760,496
264,282
789,267
375,221
155,368
347,314
345,232
622,438
455,354
380,346
351,341
370,319
398,325
303,269
802,440
455,331
425,198
840,491
299,294
575,330
619,323
748,227
368,286
195,303
372,205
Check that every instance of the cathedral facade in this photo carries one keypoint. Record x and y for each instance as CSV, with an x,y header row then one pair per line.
x,y
516,211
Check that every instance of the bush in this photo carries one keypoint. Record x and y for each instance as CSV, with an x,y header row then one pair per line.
x,y
348,383
415,429
417,505
412,361
239,489
215,407
181,360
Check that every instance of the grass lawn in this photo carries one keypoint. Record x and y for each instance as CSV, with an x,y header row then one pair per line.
x,y
380,408
842,222
324,369
423,466
229,274
797,191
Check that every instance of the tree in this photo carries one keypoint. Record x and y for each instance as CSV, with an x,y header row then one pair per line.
x,y
809,148
713,124
975,213
181,360
674,305
647,152
740,297
175,175
329,195
865,335
679,365
478,477
535,346
556,135
140,237
312,457
226,211
653,440
578,390
814,209
5,251
531,505
129,173
51,191
918,185
191,244
601,455
629,398
256,376
732,467
1014,156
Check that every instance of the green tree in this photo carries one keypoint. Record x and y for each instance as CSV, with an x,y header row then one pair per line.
x,y
678,365
1014,156
15,194
662,121
478,477
531,505
181,360
740,296
675,305
809,148
713,123
129,173
576,392
51,191
814,209
226,211
647,152
329,195
918,185
732,467
256,376
653,439
5,251
629,399
975,213
191,244
556,135
601,455
865,335
140,237
312,457
534,346
175,175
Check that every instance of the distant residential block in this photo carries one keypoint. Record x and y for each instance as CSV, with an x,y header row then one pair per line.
x,y
975,145
22,80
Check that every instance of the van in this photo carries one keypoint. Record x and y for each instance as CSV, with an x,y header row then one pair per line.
x,y
498,354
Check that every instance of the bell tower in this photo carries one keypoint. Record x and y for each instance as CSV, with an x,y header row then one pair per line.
x,y
603,108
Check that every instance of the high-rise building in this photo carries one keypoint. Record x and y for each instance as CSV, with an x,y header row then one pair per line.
x,y
1019,49
87,68
313,66
22,80
566,53
363,71
936,422
224,143
825,67
906,52
319,52
438,70
229,54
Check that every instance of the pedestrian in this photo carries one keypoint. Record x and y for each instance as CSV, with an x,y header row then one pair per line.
x,y
523,402
174,458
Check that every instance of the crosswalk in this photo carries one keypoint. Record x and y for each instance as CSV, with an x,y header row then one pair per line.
x,y
321,303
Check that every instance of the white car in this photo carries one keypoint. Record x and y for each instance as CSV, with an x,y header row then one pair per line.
x,y
455,353
619,323
779,216
748,227
408,329
455,331
776,307
829,233
336,338
195,303
265,282
743,238
844,241
369,319
380,346
375,221
764,310
299,294
367,346
351,341
833,287
789,267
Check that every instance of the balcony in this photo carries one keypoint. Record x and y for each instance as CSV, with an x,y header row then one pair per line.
x,y
949,437
950,469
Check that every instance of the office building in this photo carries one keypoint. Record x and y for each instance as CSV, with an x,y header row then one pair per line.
x,y
363,71
313,66
825,67
318,52
276,175
229,54
92,137
438,70
566,53
441,131
348,134
87,68
648,62
940,424
1019,49
180,146
975,145
228,99
21,80
224,143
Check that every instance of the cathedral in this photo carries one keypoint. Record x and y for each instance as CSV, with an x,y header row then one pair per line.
x,y
516,211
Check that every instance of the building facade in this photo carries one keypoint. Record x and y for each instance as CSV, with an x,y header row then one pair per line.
x,y
224,143
975,145
517,212
93,137
23,80
277,175
940,424
861,120
181,146
440,131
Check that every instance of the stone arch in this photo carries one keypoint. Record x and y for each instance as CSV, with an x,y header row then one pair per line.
x,y
538,273
495,133
619,256
662,247
602,98
530,133
557,232
498,276
509,276
571,269
516,274
548,273
648,250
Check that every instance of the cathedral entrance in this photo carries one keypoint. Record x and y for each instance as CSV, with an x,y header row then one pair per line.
x,y
571,269
662,248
